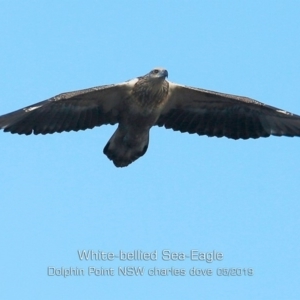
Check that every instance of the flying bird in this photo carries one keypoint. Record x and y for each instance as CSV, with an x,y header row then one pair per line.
x,y
138,104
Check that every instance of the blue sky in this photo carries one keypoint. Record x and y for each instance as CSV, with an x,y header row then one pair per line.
x,y
60,194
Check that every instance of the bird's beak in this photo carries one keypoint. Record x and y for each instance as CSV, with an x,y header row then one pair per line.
x,y
165,73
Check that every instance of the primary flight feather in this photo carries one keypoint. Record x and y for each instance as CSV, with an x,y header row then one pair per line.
x,y
138,104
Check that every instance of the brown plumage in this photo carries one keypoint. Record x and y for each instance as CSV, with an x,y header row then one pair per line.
x,y
138,104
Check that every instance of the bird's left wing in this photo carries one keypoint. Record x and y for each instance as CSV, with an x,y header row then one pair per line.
x,y
76,110
215,114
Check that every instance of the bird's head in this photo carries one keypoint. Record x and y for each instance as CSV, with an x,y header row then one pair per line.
x,y
158,73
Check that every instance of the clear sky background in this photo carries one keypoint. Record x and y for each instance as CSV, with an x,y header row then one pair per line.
x,y
60,194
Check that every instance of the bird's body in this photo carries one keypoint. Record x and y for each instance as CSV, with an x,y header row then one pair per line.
x,y
138,104
143,107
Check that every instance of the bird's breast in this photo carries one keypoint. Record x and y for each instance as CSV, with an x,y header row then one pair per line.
x,y
148,95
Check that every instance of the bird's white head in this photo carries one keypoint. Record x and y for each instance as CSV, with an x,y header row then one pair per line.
x,y
158,73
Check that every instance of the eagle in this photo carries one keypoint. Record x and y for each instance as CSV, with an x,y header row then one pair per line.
x,y
140,103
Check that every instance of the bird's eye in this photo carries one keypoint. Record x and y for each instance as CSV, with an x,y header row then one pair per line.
x,y
155,71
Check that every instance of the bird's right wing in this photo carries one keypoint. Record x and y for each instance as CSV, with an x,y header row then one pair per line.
x,y
76,110
211,113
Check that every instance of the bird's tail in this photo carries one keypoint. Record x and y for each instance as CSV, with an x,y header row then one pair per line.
x,y
125,146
